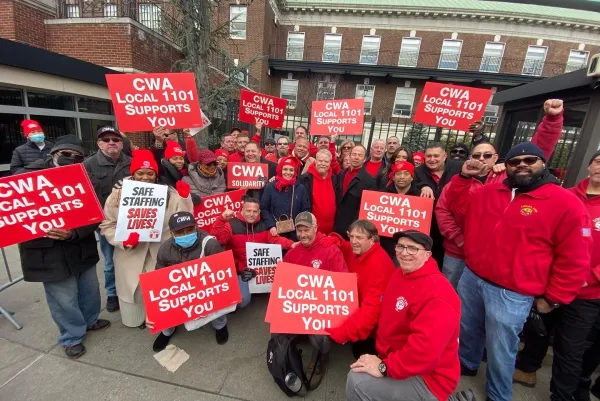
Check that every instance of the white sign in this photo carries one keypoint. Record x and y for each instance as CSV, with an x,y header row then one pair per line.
x,y
263,258
196,324
205,123
141,210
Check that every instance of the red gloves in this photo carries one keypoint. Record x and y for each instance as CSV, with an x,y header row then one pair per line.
x,y
337,334
183,189
329,240
132,241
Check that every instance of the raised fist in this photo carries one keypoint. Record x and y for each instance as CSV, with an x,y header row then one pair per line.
x,y
228,214
473,168
553,107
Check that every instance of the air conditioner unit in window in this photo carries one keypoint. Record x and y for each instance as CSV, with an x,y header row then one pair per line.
x,y
594,68
490,120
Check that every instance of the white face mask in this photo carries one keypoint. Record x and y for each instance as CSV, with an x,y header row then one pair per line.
x,y
37,138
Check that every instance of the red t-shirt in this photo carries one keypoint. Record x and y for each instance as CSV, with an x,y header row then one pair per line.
x,y
373,167
349,176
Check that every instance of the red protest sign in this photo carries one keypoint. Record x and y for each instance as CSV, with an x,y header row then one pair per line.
x,y
260,108
211,207
343,117
145,101
451,106
392,212
247,175
308,301
190,290
56,198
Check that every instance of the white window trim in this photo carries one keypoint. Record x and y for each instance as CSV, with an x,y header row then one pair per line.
x,y
501,57
418,52
362,46
328,83
287,47
414,94
281,92
325,40
587,58
231,21
372,102
543,61
459,54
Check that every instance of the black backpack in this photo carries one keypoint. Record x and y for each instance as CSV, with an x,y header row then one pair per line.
x,y
284,361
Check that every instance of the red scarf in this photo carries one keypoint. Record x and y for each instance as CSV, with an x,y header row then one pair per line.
x,y
282,183
323,200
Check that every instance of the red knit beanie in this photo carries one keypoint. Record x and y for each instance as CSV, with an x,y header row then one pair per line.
x,y
222,152
143,158
402,166
29,126
288,161
173,149
419,157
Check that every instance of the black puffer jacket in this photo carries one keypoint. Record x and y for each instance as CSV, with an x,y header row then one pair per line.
x,y
170,254
46,260
28,153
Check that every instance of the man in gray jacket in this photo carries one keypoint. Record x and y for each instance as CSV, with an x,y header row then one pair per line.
x,y
106,168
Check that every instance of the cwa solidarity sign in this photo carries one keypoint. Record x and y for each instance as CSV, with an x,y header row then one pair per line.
x,y
247,175
211,207
392,212
451,106
308,301
343,117
145,101
190,290
260,108
57,198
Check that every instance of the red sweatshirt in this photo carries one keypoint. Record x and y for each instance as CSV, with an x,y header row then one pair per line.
x,y
592,290
373,269
323,200
418,329
318,256
373,167
236,157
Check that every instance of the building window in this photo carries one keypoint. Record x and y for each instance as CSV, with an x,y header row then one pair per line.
x,y
289,91
403,102
366,92
490,115
11,97
237,22
54,101
534,60
332,47
110,10
295,46
450,54
95,106
577,60
326,90
151,16
409,52
492,57
369,52
241,76
72,10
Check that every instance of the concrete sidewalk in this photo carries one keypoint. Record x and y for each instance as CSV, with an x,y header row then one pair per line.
x,y
119,363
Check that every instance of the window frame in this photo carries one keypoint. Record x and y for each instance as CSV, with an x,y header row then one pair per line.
x,y
232,18
287,47
457,54
400,89
281,93
418,52
360,97
319,85
362,49
543,61
156,18
339,55
584,65
501,57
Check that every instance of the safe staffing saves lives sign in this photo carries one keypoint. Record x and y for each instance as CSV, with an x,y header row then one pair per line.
x,y
145,101
342,117
260,108
57,198
451,106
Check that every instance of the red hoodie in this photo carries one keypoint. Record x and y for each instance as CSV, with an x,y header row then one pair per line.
x,y
318,255
373,269
592,290
323,200
418,329
236,157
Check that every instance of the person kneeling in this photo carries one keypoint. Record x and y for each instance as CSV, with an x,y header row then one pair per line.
x,y
417,335
188,243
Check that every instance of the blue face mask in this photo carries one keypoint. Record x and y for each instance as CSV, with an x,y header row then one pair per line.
x,y
185,241
37,138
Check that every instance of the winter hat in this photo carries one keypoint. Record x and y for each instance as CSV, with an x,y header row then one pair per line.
x,y
68,142
107,129
593,157
287,161
173,149
206,156
269,141
221,152
181,220
143,158
419,237
29,126
419,157
402,166
526,148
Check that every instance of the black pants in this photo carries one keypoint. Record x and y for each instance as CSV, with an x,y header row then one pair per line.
x,y
591,358
572,325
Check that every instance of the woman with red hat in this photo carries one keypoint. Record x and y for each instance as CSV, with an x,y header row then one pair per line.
x,y
132,257
222,160
205,177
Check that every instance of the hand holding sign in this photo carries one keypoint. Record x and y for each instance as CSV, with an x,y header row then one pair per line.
x,y
60,235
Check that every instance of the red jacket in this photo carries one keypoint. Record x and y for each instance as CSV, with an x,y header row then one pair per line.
x,y
318,255
592,290
235,233
236,157
373,270
535,244
418,329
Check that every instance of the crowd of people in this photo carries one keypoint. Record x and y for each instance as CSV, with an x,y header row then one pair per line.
x,y
510,253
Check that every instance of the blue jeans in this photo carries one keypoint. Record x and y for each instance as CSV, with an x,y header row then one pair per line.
x,y
245,290
74,305
453,269
109,267
492,317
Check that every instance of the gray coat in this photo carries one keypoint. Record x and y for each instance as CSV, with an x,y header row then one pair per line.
x,y
105,173
28,153
202,185
170,254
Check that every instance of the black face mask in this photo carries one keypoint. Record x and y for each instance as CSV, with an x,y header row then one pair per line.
x,y
67,161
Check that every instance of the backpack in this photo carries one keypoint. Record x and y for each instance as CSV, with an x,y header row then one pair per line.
x,y
284,361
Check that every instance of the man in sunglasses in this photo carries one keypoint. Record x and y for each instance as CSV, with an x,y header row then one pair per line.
x,y
106,168
460,151
283,147
527,243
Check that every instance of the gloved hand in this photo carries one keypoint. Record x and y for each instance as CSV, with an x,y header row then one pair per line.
x,y
132,241
535,324
337,334
329,241
183,189
248,274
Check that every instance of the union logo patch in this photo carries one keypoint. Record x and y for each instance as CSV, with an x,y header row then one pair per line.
x,y
528,210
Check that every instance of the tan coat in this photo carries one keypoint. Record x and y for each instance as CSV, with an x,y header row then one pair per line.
x,y
129,264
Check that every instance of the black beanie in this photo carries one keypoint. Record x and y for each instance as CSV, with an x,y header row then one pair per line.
x,y
526,148
68,142
593,157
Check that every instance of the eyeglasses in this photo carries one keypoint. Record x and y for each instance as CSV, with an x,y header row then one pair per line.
x,y
410,249
459,151
484,155
107,140
66,153
529,160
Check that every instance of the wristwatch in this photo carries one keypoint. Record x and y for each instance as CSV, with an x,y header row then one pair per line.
x,y
382,368
554,305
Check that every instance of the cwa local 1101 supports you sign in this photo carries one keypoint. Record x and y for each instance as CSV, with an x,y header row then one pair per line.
x,y
342,117
145,101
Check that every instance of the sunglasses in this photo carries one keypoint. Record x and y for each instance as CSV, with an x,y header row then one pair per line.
x,y
485,155
459,151
66,153
282,144
107,140
347,147
530,161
